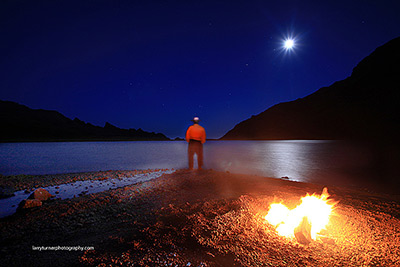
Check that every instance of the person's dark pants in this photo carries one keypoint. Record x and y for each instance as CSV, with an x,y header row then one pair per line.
x,y
195,147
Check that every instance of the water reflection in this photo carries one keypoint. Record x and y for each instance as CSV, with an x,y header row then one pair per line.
x,y
323,162
286,159
292,159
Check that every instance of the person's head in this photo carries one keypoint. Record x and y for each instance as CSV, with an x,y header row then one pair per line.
x,y
196,120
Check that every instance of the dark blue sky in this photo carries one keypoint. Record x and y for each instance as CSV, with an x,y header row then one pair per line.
x,y
155,64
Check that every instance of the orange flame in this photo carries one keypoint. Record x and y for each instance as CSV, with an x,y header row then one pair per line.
x,y
317,208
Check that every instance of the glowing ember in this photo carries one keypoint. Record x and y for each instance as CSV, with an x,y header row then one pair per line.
x,y
316,208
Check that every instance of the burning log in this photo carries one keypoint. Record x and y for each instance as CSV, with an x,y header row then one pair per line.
x,y
303,232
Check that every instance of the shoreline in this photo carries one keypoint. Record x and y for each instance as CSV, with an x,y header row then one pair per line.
x,y
30,182
27,181
205,218
81,184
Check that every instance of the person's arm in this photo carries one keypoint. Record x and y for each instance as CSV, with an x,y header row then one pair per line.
x,y
203,137
187,134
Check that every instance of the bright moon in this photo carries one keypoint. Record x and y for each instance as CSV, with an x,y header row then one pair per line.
x,y
289,43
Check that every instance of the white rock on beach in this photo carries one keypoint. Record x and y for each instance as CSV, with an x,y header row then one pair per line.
x,y
40,194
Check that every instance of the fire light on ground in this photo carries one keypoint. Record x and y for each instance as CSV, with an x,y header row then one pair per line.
x,y
306,220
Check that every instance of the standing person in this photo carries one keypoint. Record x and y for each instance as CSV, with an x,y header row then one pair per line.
x,y
196,137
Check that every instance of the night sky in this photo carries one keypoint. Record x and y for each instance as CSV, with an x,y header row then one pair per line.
x,y
156,64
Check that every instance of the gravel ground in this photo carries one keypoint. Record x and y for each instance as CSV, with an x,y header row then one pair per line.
x,y
205,218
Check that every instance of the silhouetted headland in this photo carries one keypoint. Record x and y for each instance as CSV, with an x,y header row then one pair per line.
x,y
364,106
20,123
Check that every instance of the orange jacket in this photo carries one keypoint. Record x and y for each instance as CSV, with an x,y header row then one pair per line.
x,y
196,132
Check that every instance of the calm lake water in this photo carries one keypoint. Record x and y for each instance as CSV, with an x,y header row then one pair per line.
x,y
323,162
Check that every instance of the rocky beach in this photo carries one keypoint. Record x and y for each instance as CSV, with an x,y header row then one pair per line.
x,y
194,218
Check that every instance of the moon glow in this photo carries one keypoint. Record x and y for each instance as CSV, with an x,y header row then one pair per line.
x,y
288,44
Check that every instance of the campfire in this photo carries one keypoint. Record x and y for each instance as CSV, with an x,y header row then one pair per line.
x,y
306,220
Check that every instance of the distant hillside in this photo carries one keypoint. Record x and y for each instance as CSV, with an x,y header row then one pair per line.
x,y
20,123
366,105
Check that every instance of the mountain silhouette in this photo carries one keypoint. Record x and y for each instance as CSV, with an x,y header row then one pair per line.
x,y
364,106
20,123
